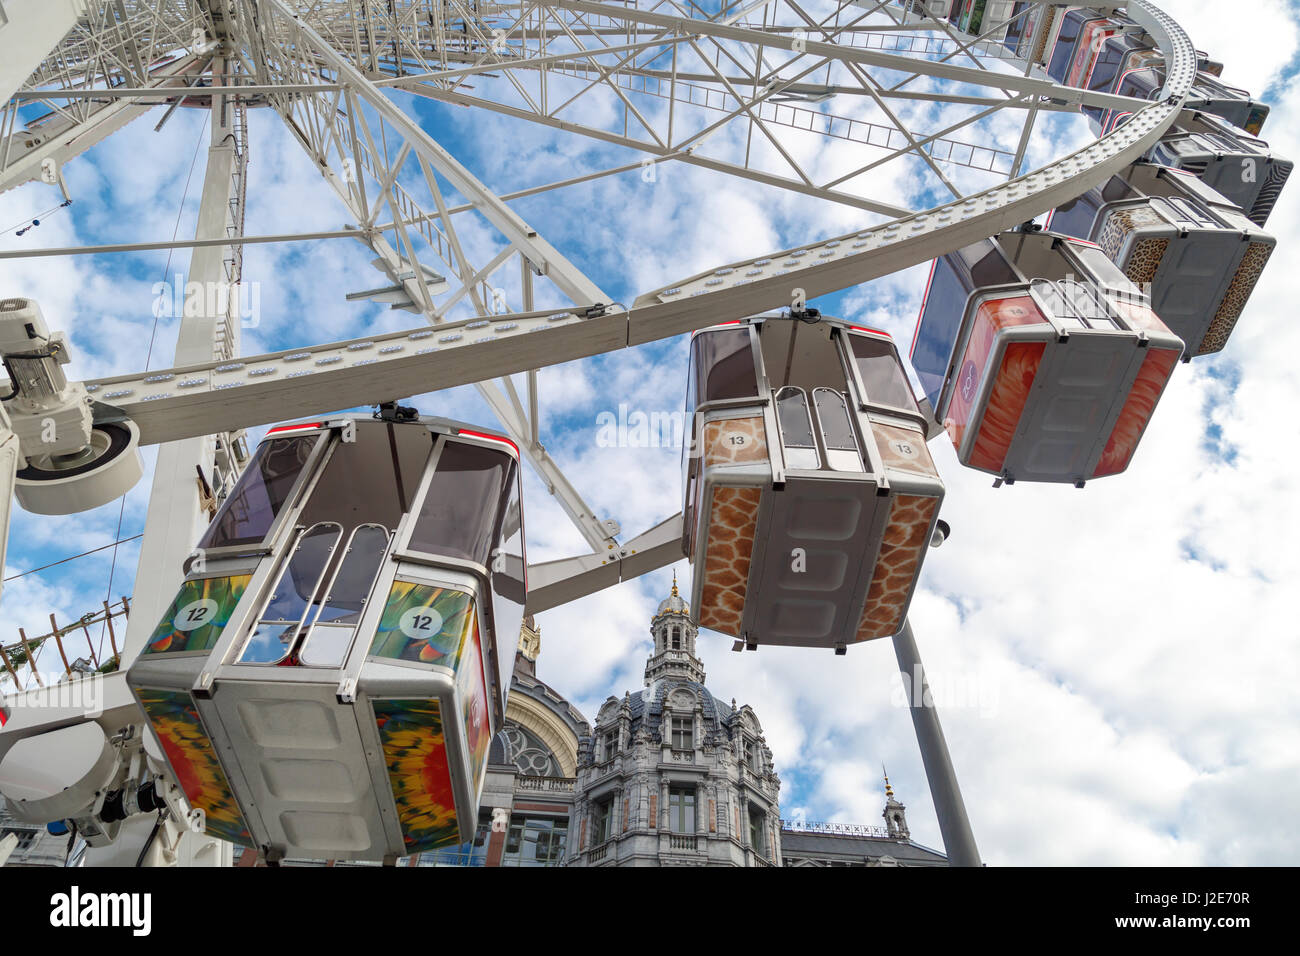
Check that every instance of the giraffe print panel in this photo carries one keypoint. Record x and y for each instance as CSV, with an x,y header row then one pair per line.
x,y
904,449
735,441
733,516
901,550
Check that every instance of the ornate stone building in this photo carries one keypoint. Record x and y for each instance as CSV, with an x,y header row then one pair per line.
x,y
673,775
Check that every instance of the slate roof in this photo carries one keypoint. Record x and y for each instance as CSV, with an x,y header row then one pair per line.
x,y
796,843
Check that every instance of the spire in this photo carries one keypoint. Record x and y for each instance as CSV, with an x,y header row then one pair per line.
x,y
674,634
530,638
895,813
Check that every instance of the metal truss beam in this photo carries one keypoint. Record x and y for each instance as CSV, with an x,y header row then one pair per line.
x,y
62,135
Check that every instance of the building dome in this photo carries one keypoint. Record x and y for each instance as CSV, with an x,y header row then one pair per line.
x,y
673,604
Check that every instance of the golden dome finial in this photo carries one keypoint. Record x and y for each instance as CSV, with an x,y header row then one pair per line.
x,y
674,582
889,791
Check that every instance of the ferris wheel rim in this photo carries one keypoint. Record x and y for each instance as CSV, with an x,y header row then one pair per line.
x,y
1059,181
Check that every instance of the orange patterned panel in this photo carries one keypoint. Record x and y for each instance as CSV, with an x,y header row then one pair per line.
x,y
1142,397
904,449
1006,403
901,549
732,519
991,318
735,441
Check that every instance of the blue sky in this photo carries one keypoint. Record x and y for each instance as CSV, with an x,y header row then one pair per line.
x,y
1117,662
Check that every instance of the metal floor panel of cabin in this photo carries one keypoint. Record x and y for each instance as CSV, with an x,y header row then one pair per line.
x,y
818,540
304,764
1084,379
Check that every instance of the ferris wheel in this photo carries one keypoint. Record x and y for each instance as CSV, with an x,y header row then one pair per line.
x,y
804,425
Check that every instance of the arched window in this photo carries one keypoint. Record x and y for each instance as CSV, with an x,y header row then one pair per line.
x,y
525,750
677,638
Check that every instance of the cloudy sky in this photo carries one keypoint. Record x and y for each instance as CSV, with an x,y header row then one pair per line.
x,y
1115,666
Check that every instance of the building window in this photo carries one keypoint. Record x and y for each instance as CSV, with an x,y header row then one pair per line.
x,y
681,810
525,750
611,744
751,755
756,830
683,733
677,639
535,841
602,821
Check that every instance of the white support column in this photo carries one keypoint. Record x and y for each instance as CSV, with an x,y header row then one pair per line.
x,y
176,518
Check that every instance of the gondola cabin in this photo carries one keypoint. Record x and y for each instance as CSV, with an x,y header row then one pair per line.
x,y
1233,163
1119,53
1071,47
926,8
1042,361
1022,19
328,679
1193,250
1009,23
1208,93
810,494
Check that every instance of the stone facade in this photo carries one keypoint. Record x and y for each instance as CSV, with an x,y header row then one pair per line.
x,y
673,776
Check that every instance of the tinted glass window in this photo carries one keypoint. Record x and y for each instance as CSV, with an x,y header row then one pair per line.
x,y
508,581
1076,217
340,608
458,516
955,277
986,265
371,480
723,365
261,492
1016,28
273,637
1063,52
936,334
1106,71
1140,83
882,375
